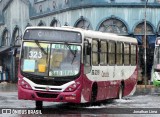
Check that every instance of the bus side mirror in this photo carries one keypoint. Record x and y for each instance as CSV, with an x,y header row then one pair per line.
x,y
14,51
87,57
87,54
89,49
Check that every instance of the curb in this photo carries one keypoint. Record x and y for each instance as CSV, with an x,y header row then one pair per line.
x,y
5,87
146,86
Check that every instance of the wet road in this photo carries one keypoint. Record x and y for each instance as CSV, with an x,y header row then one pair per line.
x,y
145,103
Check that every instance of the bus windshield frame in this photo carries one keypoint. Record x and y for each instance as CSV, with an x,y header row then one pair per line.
x,y
40,64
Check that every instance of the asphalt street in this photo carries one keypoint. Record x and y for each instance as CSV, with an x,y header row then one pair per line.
x,y
144,103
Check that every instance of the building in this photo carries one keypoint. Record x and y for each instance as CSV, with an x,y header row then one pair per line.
x,y
14,16
123,17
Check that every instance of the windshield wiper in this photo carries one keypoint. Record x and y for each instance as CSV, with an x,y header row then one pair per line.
x,y
73,52
74,56
42,49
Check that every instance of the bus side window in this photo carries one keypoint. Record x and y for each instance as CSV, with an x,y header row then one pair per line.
x,y
119,52
126,53
95,52
103,53
133,54
87,57
111,52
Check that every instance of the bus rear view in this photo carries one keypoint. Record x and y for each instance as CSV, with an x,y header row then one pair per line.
x,y
49,67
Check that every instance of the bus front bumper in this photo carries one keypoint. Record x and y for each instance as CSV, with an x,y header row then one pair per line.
x,y
72,97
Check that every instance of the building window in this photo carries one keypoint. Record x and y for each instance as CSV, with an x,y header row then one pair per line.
x,y
54,4
5,38
139,30
28,25
95,52
66,24
41,23
103,53
40,8
66,1
16,37
119,56
84,24
113,26
111,52
55,23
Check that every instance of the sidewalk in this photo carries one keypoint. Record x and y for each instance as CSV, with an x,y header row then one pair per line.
x,y
147,89
8,87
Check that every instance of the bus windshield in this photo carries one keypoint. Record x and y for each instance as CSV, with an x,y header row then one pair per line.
x,y
50,60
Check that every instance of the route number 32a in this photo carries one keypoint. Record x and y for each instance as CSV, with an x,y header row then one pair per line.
x,y
35,54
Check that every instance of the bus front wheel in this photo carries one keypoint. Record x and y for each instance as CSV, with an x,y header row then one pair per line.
x,y
94,93
39,104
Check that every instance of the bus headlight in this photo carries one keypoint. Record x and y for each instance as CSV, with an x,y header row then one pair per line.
x,y
24,84
72,87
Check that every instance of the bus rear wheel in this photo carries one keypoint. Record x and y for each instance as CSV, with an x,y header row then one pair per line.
x,y
39,104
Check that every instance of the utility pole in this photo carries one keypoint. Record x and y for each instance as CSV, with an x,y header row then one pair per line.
x,y
145,40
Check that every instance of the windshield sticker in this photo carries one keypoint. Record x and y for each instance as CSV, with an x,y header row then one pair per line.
x,y
35,54
63,73
60,46
29,65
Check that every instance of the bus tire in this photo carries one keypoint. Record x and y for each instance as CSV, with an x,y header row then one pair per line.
x,y
120,93
39,104
94,93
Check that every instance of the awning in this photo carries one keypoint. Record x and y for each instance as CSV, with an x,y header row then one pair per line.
x,y
139,39
4,49
150,40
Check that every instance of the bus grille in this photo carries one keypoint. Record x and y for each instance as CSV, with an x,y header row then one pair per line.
x,y
44,88
48,82
46,95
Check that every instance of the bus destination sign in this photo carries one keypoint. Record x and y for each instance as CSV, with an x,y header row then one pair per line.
x,y
52,35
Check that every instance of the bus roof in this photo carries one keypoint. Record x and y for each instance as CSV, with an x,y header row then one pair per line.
x,y
91,34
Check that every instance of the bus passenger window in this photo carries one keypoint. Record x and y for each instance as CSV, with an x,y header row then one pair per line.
x,y
126,54
95,52
133,55
119,59
103,53
111,52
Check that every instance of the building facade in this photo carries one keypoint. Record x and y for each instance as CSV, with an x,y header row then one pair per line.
x,y
123,17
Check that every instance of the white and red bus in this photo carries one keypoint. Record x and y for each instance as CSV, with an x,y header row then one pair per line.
x,y
66,64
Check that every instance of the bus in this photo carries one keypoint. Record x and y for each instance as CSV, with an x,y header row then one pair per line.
x,y
100,65
155,74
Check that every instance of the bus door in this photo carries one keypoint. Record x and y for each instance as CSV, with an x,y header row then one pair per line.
x,y
87,56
